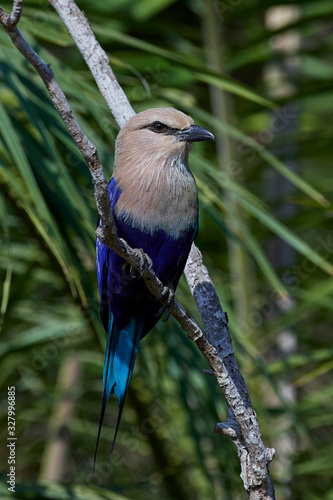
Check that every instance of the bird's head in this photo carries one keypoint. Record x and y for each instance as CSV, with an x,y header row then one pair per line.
x,y
161,134
158,190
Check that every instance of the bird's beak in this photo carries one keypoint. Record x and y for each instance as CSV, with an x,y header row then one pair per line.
x,y
194,134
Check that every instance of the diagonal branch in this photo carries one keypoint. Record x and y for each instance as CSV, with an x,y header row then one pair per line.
x,y
96,59
242,425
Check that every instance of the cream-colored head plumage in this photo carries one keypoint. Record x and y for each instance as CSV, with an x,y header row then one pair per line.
x,y
151,169
137,137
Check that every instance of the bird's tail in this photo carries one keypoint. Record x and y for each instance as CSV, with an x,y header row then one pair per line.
x,y
121,348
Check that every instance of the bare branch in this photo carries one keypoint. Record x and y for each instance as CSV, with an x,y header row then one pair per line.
x,y
96,59
204,293
10,21
242,425
229,428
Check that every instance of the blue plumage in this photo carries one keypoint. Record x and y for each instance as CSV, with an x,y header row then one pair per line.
x,y
128,310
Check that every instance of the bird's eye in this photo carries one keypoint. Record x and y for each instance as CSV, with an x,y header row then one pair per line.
x,y
158,127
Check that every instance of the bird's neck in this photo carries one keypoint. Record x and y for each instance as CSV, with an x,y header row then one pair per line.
x,y
157,193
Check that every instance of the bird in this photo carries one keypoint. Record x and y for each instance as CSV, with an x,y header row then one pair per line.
x,y
154,199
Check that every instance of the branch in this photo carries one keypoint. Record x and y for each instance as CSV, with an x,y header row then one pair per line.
x,y
10,21
242,425
96,59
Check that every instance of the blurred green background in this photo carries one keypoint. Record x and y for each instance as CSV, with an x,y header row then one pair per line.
x,y
258,74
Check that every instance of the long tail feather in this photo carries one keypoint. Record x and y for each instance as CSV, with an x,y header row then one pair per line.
x,y
128,365
120,354
120,412
107,364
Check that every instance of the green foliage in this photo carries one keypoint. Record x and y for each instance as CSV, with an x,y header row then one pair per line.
x,y
49,301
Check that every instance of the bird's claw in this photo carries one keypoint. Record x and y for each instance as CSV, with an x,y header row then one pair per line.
x,y
168,294
145,261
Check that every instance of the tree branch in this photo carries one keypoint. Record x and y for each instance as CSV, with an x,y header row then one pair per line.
x,y
10,21
96,59
242,425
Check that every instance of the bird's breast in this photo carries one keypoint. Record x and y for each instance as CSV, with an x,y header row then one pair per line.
x,y
159,199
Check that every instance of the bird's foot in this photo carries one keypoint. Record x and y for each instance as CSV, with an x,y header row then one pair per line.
x,y
168,294
145,261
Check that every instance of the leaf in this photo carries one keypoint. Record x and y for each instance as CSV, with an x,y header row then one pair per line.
x,y
234,87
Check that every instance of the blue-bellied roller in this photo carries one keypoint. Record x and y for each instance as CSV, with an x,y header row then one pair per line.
x,y
154,199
